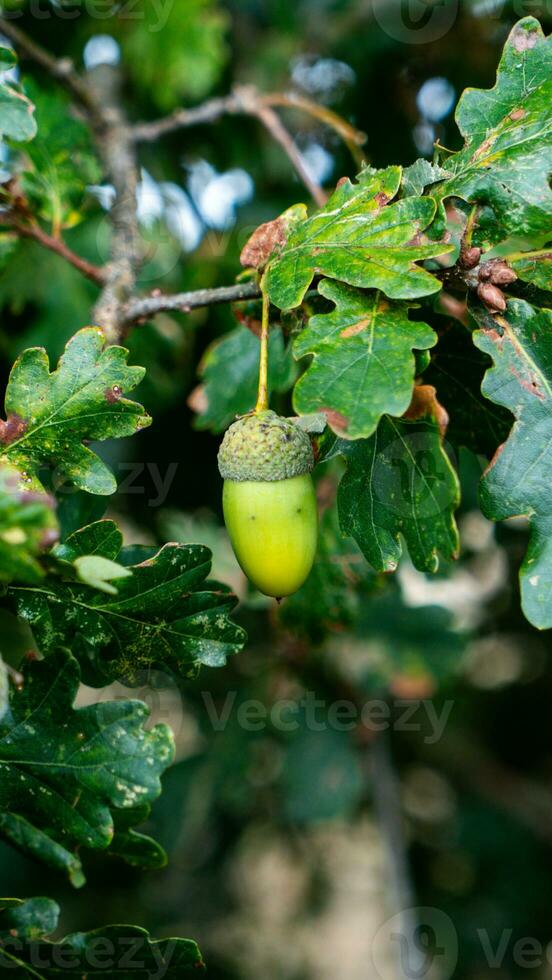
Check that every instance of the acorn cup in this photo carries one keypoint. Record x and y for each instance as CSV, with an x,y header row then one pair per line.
x,y
269,501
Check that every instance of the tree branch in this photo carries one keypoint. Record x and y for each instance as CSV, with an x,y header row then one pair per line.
x,y
57,245
210,111
148,306
62,69
117,150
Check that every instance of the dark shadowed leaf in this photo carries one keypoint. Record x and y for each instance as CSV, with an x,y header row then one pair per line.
x,y
112,953
400,482
456,371
64,770
165,613
230,369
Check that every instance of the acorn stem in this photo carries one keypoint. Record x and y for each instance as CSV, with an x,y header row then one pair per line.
x,y
262,396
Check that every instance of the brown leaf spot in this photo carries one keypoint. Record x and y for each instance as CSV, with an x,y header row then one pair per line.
x,y
338,422
12,429
528,384
341,181
424,405
252,324
524,40
381,199
113,394
267,237
517,114
355,328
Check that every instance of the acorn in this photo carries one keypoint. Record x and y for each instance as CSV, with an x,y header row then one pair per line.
x,y
269,500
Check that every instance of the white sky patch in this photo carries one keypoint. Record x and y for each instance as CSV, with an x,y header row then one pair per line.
x,y
181,218
322,77
319,161
435,99
218,196
102,49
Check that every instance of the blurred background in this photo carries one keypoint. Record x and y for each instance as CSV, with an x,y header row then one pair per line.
x,y
382,742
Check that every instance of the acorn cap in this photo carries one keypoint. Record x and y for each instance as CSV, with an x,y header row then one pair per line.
x,y
264,447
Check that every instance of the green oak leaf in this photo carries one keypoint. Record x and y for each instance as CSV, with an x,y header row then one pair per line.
x,y
400,481
50,414
230,369
16,110
133,847
64,771
507,159
363,366
420,175
519,478
534,267
99,572
164,614
118,952
359,238
456,372
28,527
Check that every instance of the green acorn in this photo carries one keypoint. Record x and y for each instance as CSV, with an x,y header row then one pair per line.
x,y
269,500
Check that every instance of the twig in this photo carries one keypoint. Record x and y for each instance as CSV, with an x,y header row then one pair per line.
x,y
118,153
255,106
353,138
61,69
210,111
148,306
57,245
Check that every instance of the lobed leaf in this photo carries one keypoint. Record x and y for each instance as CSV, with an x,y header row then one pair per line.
x,y
113,953
64,771
50,415
361,239
400,482
363,365
164,613
520,475
507,159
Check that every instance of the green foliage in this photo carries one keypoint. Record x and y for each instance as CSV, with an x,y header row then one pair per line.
x,y
508,131
166,613
58,165
363,365
65,770
229,369
174,52
16,110
519,478
50,414
112,953
401,482
359,238
27,527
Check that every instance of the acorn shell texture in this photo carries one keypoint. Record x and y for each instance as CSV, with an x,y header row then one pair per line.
x,y
265,447
273,527
269,501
